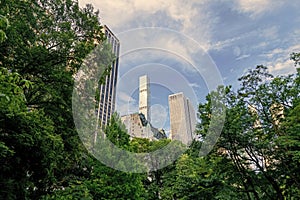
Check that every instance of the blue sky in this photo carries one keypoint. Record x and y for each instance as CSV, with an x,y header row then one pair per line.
x,y
194,45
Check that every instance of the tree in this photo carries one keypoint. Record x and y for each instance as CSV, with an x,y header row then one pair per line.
x,y
101,181
30,150
116,132
4,24
45,44
255,136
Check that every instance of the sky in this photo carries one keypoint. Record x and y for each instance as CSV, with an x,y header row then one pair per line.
x,y
191,46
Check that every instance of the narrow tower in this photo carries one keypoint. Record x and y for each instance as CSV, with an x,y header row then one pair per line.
x,y
144,97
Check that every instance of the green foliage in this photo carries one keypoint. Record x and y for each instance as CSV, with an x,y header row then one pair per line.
x,y
107,183
76,191
116,132
30,149
296,58
144,145
42,46
4,24
102,183
259,143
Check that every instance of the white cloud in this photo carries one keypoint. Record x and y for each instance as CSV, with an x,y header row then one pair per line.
x,y
221,44
266,33
125,104
112,12
282,67
148,44
122,96
274,53
243,57
281,52
195,85
118,12
256,8
261,45
159,115
255,33
280,62
269,33
188,17
253,6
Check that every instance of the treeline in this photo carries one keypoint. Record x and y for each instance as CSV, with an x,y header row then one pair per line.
x,y
43,45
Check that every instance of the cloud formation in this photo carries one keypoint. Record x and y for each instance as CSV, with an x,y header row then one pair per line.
x,y
257,7
238,34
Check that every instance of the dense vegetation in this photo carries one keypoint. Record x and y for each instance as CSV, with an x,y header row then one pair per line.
x,y
42,46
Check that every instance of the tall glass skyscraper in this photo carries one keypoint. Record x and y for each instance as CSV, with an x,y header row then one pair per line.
x,y
108,90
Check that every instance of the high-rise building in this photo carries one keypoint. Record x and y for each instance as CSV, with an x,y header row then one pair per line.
x,y
108,90
138,124
182,118
144,96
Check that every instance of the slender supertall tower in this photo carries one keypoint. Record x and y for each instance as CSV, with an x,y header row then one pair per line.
x,y
144,97
108,90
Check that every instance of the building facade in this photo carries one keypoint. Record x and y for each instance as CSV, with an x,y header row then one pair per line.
x,y
138,124
182,118
108,90
144,96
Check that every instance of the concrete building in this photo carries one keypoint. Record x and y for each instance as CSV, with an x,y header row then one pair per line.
x,y
277,112
138,124
144,96
182,118
253,111
108,90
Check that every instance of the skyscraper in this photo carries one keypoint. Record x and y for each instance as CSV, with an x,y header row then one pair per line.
x,y
182,118
138,124
108,90
144,97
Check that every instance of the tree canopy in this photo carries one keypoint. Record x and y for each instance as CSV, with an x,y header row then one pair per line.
x,y
42,46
